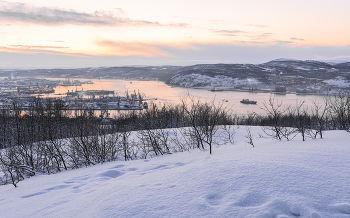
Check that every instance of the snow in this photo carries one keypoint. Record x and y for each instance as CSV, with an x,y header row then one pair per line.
x,y
273,179
285,59
339,81
198,80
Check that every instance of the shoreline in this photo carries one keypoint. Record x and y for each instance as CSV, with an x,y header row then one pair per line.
x,y
225,89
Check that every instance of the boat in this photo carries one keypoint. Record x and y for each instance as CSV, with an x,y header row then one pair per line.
x,y
216,90
247,101
145,105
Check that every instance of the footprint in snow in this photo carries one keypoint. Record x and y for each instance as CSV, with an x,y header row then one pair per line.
x,y
298,210
112,174
78,186
34,194
214,198
160,166
342,208
251,199
118,166
58,187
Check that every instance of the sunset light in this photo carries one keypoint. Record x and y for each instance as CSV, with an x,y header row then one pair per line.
x,y
174,30
174,108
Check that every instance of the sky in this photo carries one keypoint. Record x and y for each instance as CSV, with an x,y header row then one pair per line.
x,y
86,33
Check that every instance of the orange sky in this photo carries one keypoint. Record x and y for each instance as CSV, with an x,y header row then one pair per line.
x,y
166,32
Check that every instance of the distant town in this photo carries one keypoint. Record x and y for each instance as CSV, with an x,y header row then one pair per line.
x,y
280,76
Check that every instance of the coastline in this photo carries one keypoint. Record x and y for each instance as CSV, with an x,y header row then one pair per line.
x,y
225,89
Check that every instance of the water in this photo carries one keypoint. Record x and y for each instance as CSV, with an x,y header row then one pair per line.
x,y
159,92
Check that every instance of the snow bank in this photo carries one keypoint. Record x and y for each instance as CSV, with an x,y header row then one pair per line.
x,y
273,179
338,82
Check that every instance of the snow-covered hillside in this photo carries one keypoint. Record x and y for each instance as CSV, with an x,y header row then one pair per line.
x,y
198,80
272,179
294,74
338,82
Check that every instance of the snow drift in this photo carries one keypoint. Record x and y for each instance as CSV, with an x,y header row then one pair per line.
x,y
272,179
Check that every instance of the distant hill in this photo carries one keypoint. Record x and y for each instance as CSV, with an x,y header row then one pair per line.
x,y
206,75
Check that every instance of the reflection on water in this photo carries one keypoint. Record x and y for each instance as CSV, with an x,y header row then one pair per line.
x,y
164,93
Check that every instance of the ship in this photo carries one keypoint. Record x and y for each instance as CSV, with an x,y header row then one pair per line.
x,y
247,101
145,105
216,90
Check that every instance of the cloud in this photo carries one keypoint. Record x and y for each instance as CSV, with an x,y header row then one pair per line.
x,y
204,53
131,48
120,11
227,32
252,42
297,39
20,12
145,49
37,47
32,49
282,42
261,36
254,25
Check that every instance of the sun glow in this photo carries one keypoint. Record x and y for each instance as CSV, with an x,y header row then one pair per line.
x,y
139,28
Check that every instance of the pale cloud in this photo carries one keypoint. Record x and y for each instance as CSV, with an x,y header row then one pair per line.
x,y
120,11
20,12
252,42
232,33
227,31
261,36
121,48
37,47
283,42
297,39
26,49
255,25
203,53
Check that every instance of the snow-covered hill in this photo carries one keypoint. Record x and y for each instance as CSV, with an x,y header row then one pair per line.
x,y
277,72
198,80
220,75
273,179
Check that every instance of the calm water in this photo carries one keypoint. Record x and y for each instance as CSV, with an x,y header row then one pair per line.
x,y
164,93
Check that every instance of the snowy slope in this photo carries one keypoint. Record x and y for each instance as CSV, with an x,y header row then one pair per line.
x,y
198,80
273,179
338,82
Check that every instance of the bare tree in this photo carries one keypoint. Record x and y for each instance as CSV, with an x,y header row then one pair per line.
x,y
273,126
249,137
339,108
319,117
301,120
